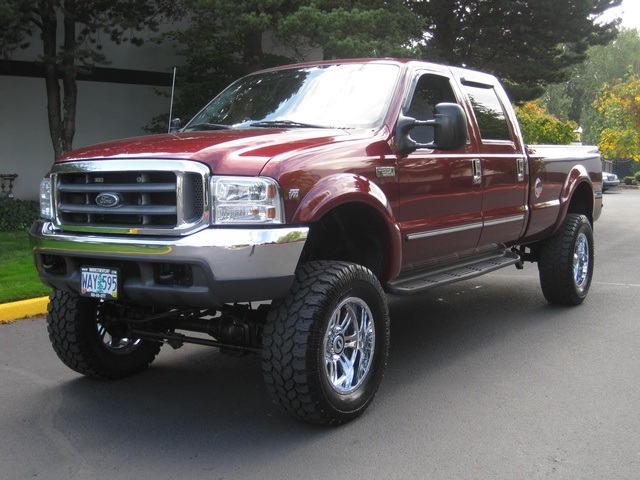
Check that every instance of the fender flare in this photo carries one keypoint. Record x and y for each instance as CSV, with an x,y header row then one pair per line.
x,y
577,176
350,188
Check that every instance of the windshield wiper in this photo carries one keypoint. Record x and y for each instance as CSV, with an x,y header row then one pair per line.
x,y
206,126
284,124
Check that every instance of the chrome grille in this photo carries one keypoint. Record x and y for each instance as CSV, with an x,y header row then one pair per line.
x,y
137,196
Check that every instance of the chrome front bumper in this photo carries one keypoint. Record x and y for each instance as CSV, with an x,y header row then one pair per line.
x,y
205,269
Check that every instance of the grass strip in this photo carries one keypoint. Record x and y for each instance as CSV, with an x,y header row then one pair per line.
x,y
18,276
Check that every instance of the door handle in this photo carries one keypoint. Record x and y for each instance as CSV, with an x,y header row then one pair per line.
x,y
477,171
520,163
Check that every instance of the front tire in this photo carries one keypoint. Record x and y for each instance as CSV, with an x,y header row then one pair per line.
x,y
566,262
326,345
86,341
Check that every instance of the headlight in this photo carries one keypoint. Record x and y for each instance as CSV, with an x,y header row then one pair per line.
x,y
46,204
248,200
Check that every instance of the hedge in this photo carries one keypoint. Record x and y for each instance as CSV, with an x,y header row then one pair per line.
x,y
18,214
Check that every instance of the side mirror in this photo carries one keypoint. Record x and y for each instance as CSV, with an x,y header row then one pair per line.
x,y
175,125
450,129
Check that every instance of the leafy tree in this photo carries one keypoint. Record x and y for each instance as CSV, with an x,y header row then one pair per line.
x,y
540,127
69,34
527,43
575,98
619,108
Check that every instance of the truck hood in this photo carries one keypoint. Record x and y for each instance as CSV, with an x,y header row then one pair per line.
x,y
237,151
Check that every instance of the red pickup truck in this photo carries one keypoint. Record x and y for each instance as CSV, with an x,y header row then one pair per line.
x,y
279,218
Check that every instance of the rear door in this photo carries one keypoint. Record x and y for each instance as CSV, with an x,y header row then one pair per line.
x,y
503,164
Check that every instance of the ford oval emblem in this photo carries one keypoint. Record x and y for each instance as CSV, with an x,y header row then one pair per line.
x,y
109,200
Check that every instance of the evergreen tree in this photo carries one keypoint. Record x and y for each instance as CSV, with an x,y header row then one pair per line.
x,y
347,29
527,43
225,39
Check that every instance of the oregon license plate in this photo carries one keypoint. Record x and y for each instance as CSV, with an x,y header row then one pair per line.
x,y
99,282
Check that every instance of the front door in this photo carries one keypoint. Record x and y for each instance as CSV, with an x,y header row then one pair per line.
x,y
440,194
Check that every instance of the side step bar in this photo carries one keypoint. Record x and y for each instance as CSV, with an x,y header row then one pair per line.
x,y
474,267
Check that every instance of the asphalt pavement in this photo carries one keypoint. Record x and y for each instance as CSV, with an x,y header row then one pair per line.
x,y
485,381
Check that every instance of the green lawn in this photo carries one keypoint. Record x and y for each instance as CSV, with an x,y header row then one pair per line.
x,y
18,276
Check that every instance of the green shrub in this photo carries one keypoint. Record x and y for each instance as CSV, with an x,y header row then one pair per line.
x,y
18,214
629,180
637,177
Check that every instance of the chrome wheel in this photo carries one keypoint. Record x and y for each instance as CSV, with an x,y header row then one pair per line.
x,y
566,262
349,344
87,336
325,346
112,336
581,261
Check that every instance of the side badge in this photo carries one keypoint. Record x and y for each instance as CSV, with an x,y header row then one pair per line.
x,y
385,172
294,193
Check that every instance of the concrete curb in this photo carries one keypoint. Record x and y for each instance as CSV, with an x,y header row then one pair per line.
x,y
24,308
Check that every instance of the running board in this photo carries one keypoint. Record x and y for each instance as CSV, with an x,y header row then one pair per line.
x,y
461,271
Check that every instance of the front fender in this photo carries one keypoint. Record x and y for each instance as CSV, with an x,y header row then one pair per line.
x,y
340,189
349,188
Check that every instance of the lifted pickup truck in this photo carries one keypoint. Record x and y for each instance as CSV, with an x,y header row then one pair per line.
x,y
279,218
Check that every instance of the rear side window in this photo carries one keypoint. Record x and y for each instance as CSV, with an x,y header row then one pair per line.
x,y
488,110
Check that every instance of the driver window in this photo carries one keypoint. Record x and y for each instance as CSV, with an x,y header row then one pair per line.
x,y
430,90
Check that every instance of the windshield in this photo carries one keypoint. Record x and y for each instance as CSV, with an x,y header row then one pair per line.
x,y
324,96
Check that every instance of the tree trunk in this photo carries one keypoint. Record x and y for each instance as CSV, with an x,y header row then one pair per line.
x,y
61,106
253,54
69,74
49,41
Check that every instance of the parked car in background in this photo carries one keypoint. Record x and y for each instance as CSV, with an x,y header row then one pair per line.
x,y
609,180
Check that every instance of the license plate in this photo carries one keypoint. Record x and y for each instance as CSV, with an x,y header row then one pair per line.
x,y
99,282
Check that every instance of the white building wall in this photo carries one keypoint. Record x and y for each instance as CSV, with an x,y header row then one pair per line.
x,y
105,111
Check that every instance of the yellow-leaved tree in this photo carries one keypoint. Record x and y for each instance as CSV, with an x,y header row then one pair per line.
x,y
539,126
619,122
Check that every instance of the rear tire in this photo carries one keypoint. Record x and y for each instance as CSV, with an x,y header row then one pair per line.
x,y
85,340
566,262
326,345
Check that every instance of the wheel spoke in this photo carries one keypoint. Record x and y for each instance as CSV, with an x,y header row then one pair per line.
x,y
349,318
347,378
351,341
332,368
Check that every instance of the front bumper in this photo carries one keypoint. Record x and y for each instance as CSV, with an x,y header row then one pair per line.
x,y
206,269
